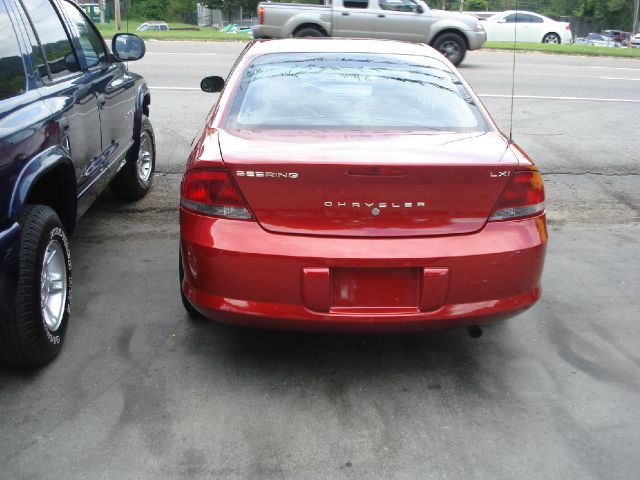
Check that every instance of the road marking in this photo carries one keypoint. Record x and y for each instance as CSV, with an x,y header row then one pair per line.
x,y
620,78
617,68
179,53
582,99
174,88
486,95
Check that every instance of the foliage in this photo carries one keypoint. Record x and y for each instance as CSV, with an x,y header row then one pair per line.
x,y
476,5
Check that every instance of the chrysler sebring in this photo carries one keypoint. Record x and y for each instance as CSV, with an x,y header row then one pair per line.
x,y
356,185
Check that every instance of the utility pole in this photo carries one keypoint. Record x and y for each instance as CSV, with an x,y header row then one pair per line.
x,y
116,13
101,7
461,5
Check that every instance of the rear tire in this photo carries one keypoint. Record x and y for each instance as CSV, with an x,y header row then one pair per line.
x,y
551,38
33,331
309,32
452,46
135,179
193,313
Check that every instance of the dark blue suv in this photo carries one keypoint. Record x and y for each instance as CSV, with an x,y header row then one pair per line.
x,y
73,120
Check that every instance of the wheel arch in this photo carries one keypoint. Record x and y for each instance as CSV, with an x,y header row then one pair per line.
x,y
455,31
143,100
48,179
313,25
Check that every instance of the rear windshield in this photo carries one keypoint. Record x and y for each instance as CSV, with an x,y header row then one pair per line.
x,y
352,92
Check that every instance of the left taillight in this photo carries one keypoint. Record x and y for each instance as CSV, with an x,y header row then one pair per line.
x,y
211,192
261,15
523,197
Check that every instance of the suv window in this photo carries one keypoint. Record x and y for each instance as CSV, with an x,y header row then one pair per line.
x,y
355,3
12,77
91,44
53,38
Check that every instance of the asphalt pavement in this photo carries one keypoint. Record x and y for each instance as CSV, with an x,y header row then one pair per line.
x,y
141,391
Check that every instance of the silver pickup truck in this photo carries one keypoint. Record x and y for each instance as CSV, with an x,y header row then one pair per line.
x,y
451,33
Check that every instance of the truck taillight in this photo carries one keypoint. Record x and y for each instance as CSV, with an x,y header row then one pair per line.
x,y
524,197
261,15
211,192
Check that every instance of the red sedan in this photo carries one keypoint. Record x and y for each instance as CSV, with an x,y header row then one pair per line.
x,y
356,186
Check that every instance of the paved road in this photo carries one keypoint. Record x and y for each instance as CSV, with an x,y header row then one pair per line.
x,y
142,392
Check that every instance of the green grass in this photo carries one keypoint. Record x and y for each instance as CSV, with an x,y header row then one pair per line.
x,y
205,33
567,49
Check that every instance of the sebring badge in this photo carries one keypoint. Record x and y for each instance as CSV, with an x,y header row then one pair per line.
x,y
255,174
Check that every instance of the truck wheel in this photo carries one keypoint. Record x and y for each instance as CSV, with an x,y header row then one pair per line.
x,y
33,331
452,46
193,313
308,32
135,178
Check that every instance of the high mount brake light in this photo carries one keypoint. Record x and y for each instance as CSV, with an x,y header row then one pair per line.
x,y
211,192
524,197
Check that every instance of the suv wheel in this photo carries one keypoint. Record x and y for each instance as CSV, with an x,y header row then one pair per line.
x,y
33,332
134,180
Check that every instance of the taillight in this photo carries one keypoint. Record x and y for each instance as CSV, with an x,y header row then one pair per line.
x,y
523,197
261,15
211,192
568,27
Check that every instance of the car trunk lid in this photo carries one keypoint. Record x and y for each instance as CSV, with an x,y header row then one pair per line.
x,y
362,184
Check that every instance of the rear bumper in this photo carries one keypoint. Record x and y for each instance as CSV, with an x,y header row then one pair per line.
x,y
256,31
236,272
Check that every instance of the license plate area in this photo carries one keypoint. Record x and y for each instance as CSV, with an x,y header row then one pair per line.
x,y
375,289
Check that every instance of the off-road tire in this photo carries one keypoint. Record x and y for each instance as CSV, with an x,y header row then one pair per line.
x,y
25,339
452,46
129,184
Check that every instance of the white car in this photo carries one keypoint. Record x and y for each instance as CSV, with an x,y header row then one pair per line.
x,y
521,26
635,41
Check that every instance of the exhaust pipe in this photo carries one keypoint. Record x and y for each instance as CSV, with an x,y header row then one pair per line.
x,y
474,331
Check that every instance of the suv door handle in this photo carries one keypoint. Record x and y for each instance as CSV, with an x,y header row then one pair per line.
x,y
381,15
346,14
102,100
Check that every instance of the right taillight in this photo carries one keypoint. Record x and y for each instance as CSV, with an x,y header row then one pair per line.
x,y
524,197
211,192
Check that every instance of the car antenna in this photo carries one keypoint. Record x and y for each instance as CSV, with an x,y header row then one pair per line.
x,y
513,74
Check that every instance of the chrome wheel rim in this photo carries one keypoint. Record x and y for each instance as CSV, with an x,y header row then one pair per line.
x,y
450,50
145,157
551,39
53,285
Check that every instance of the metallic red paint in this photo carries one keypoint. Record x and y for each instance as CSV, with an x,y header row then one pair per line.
x,y
237,272
300,264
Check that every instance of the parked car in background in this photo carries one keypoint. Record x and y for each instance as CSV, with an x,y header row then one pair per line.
x,y
73,120
619,36
521,26
597,40
153,27
635,41
451,33
408,210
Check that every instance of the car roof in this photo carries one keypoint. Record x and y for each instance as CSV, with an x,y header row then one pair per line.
x,y
339,45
